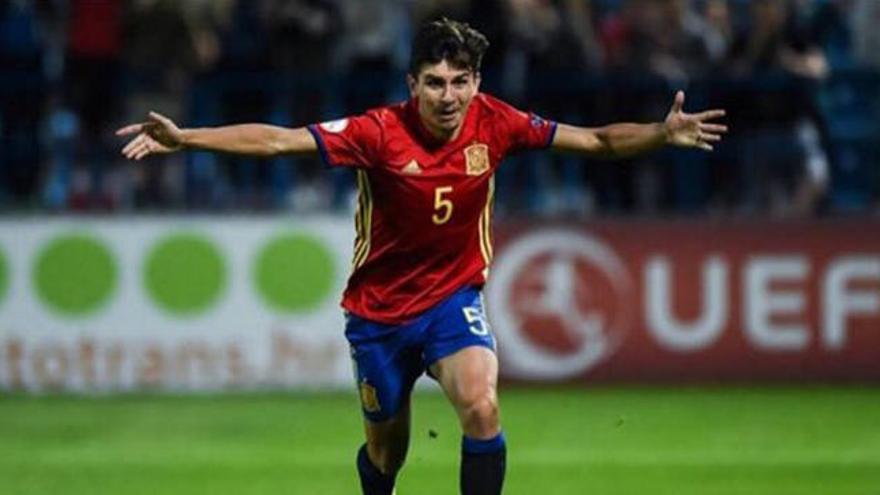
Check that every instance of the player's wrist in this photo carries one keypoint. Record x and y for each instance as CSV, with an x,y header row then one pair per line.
x,y
665,133
185,139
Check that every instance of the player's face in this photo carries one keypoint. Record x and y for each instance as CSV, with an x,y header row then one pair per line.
x,y
444,93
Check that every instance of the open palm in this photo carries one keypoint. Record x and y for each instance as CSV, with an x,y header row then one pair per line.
x,y
693,130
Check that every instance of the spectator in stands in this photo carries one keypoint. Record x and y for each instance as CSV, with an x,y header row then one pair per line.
x,y
776,113
231,40
93,69
161,57
830,25
550,47
670,40
372,53
424,10
368,50
846,30
716,29
166,44
59,57
665,43
865,20
21,98
303,39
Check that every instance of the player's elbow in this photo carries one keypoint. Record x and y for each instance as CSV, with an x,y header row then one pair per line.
x,y
588,141
276,144
599,144
285,141
274,148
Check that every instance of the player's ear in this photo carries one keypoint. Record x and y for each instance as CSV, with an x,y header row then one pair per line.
x,y
477,80
411,84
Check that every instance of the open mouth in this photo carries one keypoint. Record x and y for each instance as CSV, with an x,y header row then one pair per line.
x,y
447,115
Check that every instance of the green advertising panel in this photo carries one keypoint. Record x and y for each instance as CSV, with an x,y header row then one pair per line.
x,y
185,274
294,273
75,274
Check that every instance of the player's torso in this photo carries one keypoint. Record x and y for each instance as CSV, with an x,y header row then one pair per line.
x,y
424,208
429,195
424,214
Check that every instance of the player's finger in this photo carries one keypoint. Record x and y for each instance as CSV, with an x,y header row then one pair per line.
x,y
678,102
705,146
710,137
148,148
132,145
713,127
135,143
710,114
158,117
133,154
142,152
137,148
130,129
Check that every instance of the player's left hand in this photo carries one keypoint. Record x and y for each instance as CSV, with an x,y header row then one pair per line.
x,y
692,130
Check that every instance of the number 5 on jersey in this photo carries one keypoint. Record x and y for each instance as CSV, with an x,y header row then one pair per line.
x,y
442,206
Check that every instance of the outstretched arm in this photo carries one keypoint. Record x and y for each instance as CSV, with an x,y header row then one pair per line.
x,y
621,140
159,134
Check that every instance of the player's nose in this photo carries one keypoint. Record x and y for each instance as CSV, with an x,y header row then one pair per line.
x,y
447,96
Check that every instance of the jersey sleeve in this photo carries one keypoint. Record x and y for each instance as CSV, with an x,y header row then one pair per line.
x,y
348,142
526,130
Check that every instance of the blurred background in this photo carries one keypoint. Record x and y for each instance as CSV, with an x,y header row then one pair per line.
x,y
798,78
679,323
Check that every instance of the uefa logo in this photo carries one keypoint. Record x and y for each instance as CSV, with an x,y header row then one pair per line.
x,y
335,126
561,302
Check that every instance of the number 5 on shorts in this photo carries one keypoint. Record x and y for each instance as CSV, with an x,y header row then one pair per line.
x,y
476,320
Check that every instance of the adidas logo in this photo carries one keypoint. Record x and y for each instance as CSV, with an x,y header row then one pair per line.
x,y
412,168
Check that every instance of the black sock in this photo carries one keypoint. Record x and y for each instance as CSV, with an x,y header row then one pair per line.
x,y
482,465
373,482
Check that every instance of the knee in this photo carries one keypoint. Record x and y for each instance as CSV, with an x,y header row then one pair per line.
x,y
480,416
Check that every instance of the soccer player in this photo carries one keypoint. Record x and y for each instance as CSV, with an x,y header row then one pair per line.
x,y
423,233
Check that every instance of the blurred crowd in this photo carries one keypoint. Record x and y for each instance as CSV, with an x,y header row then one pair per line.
x,y
799,79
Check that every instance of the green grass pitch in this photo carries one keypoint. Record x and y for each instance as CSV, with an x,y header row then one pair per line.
x,y
641,441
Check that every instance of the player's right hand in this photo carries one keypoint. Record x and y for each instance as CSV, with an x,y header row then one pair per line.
x,y
158,134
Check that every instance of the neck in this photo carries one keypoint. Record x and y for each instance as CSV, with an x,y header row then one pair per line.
x,y
441,134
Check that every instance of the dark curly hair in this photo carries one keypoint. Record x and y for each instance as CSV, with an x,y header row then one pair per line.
x,y
444,39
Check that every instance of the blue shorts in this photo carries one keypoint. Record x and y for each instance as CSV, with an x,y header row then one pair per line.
x,y
389,358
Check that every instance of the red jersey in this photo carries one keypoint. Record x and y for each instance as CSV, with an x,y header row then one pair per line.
x,y
424,215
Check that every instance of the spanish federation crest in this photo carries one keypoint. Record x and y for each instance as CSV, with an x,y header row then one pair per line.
x,y
369,397
476,159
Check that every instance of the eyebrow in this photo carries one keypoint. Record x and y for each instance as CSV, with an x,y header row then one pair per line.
x,y
434,77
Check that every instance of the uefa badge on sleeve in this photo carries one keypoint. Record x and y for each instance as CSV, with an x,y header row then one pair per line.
x,y
476,159
335,126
